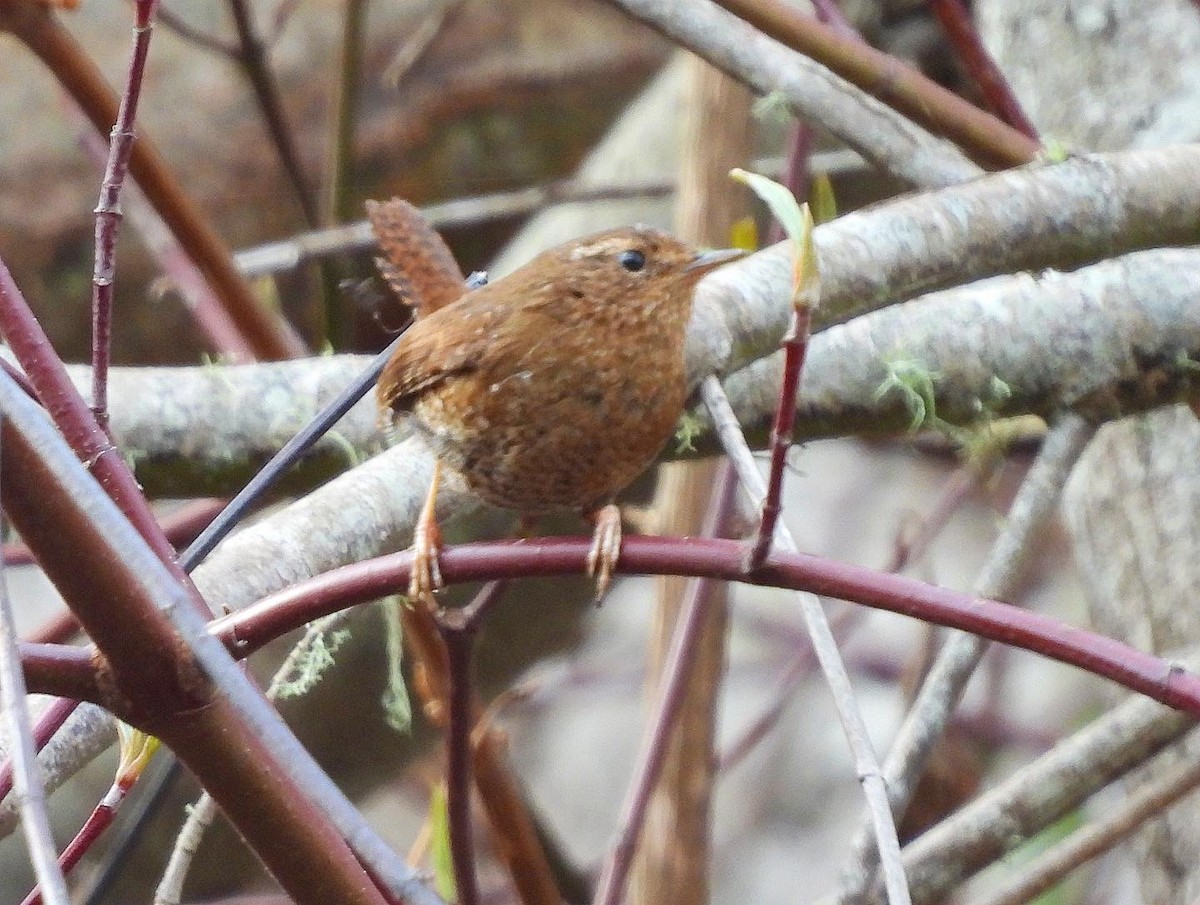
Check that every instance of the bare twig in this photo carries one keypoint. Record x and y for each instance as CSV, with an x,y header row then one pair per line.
x,y
805,296
825,647
676,672
458,634
1116,825
206,309
31,794
108,208
831,14
947,679
199,817
341,167
288,254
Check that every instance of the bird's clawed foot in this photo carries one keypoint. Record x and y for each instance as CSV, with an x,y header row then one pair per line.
x,y
606,547
425,576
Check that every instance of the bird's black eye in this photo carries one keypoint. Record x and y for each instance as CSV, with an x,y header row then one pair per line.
x,y
632,260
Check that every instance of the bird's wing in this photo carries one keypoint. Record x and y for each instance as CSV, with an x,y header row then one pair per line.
x,y
450,341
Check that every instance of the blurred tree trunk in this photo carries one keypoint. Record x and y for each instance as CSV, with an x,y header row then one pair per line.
x,y
673,863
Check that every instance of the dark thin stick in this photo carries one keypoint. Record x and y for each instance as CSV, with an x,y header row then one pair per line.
x,y
252,56
677,670
457,629
964,38
206,309
346,116
176,23
797,171
108,209
284,459
19,378
806,294
458,634
36,26
831,14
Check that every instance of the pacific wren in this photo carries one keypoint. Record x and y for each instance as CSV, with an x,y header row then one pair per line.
x,y
556,386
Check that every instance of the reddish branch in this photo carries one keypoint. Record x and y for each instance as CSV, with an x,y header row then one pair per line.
x,y
982,136
51,667
108,209
964,38
206,711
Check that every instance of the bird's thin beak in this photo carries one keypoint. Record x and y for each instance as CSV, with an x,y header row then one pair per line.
x,y
708,260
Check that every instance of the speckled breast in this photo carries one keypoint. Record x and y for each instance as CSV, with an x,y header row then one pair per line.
x,y
559,435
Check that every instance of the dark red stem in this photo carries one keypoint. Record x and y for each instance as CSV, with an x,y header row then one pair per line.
x,y
108,210
50,668
458,634
964,37
98,821
795,345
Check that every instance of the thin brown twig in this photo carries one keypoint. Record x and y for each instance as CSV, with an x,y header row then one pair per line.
x,y
499,791
795,345
458,629
199,300
458,636
279,20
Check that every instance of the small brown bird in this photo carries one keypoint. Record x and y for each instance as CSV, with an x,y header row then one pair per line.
x,y
554,387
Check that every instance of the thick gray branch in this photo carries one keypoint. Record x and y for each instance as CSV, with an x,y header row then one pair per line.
x,y
196,431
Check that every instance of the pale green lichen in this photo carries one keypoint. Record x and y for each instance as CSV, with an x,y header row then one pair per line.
x,y
311,664
917,385
690,427
397,706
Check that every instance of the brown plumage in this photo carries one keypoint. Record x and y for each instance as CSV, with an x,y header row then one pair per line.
x,y
555,387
